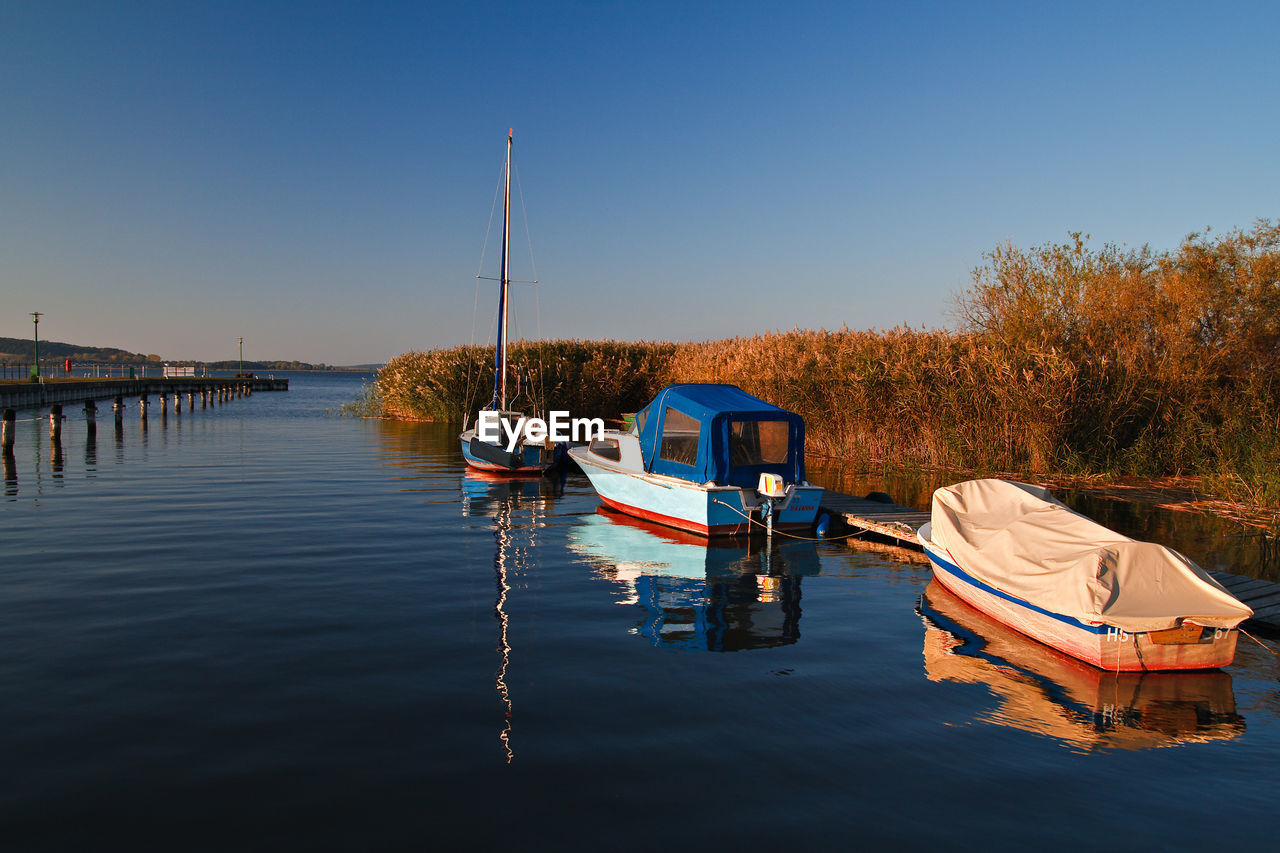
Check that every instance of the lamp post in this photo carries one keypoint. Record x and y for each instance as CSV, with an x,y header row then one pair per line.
x,y
35,326
241,357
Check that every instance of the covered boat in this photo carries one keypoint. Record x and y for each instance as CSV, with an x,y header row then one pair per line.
x,y
707,458
1017,554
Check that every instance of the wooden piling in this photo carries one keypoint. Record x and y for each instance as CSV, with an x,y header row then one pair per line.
x,y
177,403
91,417
55,422
7,432
117,408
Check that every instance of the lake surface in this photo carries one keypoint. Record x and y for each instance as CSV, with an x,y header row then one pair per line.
x,y
261,626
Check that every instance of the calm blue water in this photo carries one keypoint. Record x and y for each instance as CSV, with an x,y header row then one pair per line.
x,y
263,627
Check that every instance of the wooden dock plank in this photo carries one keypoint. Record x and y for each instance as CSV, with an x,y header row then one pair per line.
x,y
896,523
1239,585
1269,616
1267,598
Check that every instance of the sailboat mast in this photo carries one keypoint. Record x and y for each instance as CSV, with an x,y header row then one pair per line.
x,y
506,281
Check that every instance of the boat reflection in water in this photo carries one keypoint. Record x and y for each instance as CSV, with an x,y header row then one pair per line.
x,y
698,594
516,504
1050,693
493,495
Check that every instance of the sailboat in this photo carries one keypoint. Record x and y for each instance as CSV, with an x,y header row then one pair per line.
x,y
491,449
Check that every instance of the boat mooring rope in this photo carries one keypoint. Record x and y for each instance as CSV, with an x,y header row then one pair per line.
x,y
1256,640
758,523
1137,647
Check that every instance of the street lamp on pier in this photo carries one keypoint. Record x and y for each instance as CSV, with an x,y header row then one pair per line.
x,y
35,326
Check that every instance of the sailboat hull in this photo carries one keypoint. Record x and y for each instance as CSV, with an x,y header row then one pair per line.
x,y
527,459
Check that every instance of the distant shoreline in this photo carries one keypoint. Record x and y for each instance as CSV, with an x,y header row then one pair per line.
x,y
20,351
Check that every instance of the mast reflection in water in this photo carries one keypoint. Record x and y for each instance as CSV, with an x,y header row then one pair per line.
x,y
515,504
1046,692
698,594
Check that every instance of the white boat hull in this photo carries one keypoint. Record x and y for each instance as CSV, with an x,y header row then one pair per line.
x,y
1104,646
699,508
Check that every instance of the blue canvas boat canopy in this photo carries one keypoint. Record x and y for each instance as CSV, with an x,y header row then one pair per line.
x,y
719,433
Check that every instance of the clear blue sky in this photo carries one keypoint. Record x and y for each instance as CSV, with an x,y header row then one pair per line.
x,y
318,177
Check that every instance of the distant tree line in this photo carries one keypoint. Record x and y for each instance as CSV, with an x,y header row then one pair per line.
x,y
234,364
19,349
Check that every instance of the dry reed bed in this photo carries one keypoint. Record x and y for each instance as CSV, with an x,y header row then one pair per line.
x,y
586,378
1071,360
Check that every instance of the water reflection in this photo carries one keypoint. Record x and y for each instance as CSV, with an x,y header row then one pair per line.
x,y
10,474
1213,542
696,595
1046,692
56,462
493,495
516,506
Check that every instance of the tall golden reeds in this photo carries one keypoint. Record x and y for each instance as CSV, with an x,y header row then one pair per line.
x,y
1070,359
587,378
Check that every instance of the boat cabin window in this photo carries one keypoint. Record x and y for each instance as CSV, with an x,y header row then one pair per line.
x,y
679,437
641,417
607,448
758,442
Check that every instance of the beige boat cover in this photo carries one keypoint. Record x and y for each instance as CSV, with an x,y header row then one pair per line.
x,y
1019,539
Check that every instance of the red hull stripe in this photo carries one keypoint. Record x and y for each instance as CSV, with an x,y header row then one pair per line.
x,y
686,524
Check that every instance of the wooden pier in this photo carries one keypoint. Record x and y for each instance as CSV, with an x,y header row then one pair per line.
x,y
207,390
877,514
38,395
1262,596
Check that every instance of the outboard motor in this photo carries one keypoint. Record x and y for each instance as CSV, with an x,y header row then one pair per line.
x,y
771,488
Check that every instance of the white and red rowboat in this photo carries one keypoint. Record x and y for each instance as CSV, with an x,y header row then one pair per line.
x,y
1018,555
